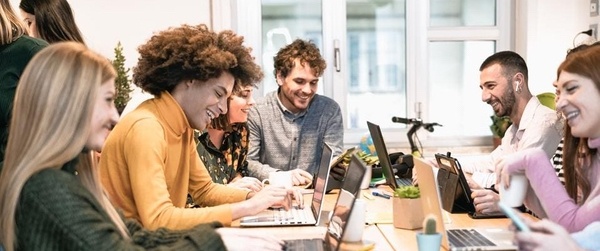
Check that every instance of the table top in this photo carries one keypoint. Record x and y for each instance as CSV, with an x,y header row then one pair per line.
x,y
379,232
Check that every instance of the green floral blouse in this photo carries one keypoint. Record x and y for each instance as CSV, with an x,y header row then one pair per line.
x,y
225,163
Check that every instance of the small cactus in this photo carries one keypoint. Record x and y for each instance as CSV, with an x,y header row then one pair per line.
x,y
429,225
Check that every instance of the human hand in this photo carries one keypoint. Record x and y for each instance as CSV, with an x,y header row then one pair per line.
x,y
294,194
485,201
300,177
338,172
507,165
272,196
545,235
250,183
248,239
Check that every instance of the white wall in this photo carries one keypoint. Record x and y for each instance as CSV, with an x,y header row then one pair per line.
x,y
544,28
104,23
544,31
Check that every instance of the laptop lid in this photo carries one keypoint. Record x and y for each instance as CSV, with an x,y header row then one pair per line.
x,y
430,197
320,181
343,207
382,154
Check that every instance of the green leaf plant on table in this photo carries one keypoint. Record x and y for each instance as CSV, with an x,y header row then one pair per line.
x,y
407,208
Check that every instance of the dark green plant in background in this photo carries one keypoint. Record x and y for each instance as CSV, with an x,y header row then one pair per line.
x,y
122,82
499,125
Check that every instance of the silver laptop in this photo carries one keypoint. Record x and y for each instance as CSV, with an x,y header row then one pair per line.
x,y
384,159
458,239
297,216
341,212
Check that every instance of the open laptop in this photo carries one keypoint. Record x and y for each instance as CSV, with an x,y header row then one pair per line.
x,y
384,159
462,200
458,239
297,216
341,212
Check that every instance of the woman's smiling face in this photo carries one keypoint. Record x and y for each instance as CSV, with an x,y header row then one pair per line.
x,y
240,104
578,100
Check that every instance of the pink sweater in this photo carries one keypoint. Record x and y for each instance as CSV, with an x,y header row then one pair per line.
x,y
552,199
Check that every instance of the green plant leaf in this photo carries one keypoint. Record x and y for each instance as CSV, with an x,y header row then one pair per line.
x,y
407,192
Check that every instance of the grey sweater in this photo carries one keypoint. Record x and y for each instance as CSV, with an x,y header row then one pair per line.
x,y
280,140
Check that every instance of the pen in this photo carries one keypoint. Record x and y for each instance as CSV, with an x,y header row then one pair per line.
x,y
381,195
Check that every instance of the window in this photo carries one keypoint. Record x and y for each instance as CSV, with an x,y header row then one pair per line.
x,y
408,58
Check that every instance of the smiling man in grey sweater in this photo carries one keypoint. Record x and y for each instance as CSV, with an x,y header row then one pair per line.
x,y
288,126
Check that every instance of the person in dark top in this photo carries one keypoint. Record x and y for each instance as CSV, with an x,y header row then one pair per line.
x,y
223,147
16,49
50,20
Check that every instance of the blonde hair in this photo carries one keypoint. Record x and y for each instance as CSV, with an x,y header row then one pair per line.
x,y
11,27
55,94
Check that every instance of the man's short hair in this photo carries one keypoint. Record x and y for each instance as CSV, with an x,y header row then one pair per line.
x,y
511,63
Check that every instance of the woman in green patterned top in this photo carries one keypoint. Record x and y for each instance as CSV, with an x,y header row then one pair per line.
x,y
224,145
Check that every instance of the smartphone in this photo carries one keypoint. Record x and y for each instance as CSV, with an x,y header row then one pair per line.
x,y
516,219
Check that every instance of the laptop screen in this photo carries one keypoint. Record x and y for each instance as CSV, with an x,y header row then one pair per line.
x,y
430,197
382,154
343,207
321,180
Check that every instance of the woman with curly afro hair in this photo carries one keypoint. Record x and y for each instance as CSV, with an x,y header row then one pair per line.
x,y
149,162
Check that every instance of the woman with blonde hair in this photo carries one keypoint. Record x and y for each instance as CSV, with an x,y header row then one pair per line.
x,y
51,195
16,49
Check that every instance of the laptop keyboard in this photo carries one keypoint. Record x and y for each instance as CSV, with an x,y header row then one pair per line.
x,y
404,181
295,214
467,238
305,244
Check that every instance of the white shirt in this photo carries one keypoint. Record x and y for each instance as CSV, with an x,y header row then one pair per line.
x,y
545,131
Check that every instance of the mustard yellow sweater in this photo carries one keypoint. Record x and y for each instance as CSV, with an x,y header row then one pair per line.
x,y
149,164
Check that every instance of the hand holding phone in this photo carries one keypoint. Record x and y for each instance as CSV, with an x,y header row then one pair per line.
x,y
516,219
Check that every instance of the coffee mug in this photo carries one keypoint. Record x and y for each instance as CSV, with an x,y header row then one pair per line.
x,y
279,179
514,195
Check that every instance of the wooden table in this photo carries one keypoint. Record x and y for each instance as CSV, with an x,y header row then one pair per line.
x,y
373,239
380,233
401,239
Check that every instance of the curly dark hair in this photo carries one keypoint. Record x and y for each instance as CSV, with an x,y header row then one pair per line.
x,y
193,53
306,51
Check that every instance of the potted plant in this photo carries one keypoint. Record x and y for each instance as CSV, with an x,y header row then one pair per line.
x,y
499,127
407,208
429,239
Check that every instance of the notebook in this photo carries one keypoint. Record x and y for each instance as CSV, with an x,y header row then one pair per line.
x,y
461,197
454,239
297,216
384,159
340,214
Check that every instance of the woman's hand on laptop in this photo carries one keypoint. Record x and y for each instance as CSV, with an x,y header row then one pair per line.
x,y
248,239
300,177
250,183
